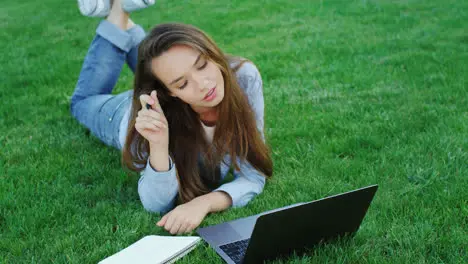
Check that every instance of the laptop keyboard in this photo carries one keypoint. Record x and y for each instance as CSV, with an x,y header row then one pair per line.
x,y
236,250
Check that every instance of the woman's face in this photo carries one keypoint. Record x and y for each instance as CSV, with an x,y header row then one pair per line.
x,y
190,76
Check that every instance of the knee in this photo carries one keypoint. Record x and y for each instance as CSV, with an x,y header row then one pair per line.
x,y
74,101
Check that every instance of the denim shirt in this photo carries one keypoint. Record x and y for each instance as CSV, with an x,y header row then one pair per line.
x,y
158,190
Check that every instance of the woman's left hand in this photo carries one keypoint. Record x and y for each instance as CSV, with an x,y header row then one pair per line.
x,y
185,217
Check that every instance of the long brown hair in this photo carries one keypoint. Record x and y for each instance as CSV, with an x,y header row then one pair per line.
x,y
236,133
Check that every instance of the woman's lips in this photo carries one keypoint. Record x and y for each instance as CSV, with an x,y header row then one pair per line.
x,y
210,95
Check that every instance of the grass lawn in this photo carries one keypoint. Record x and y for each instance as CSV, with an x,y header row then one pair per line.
x,y
356,93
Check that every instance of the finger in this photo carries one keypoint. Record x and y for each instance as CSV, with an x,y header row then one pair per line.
x,y
156,106
175,227
183,228
156,124
145,119
155,114
146,99
152,115
162,221
149,124
169,222
187,228
142,126
191,228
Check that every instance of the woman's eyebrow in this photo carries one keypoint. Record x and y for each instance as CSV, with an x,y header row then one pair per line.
x,y
180,78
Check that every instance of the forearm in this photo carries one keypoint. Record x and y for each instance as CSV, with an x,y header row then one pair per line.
x,y
215,201
159,158
158,189
247,183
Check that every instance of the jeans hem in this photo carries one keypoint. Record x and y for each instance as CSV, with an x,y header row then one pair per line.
x,y
120,38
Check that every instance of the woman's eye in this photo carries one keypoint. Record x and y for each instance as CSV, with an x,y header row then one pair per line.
x,y
203,66
183,85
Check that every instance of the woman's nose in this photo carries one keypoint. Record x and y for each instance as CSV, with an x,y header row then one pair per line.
x,y
204,82
208,84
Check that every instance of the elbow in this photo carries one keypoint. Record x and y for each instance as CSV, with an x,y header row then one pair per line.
x,y
74,101
154,201
156,206
244,200
72,109
157,192
255,190
153,208
259,184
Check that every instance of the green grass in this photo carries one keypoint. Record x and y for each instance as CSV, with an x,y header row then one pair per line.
x,y
356,92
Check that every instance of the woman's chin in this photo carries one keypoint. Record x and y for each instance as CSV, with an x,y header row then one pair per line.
x,y
219,99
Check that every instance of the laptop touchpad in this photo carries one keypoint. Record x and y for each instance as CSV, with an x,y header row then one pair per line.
x,y
221,234
244,226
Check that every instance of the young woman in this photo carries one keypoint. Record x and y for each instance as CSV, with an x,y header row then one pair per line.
x,y
194,113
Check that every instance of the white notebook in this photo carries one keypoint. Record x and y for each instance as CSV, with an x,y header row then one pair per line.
x,y
154,249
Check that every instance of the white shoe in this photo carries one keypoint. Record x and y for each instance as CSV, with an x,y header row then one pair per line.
x,y
94,8
134,5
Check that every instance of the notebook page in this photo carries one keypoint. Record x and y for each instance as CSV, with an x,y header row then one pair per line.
x,y
152,250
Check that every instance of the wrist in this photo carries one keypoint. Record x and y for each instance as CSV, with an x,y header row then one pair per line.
x,y
205,202
158,146
159,159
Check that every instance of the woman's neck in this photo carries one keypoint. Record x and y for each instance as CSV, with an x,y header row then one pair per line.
x,y
209,117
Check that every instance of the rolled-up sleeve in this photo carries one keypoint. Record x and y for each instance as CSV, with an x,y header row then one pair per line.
x,y
248,182
158,190
250,81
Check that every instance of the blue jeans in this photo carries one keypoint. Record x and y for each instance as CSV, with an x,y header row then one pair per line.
x,y
92,103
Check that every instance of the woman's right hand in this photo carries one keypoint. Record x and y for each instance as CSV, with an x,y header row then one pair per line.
x,y
152,123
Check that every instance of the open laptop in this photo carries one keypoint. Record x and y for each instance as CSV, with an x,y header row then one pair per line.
x,y
297,227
